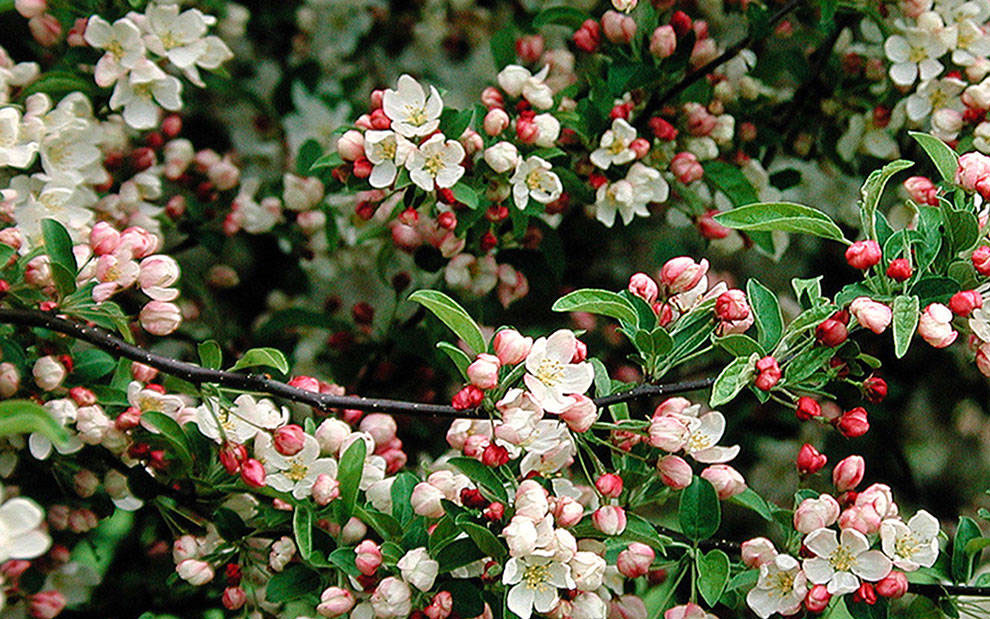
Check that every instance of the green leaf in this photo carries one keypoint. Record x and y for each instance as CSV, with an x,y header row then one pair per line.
x,y
484,539
210,355
328,160
744,580
812,288
766,312
945,159
503,46
713,575
172,433
92,364
343,558
466,195
739,345
963,228
26,417
731,380
784,216
467,598
293,583
962,561
57,84
309,152
458,553
402,489
268,357
302,527
58,246
561,15
349,475
454,316
906,314
458,356
453,123
699,512
481,475
662,342
603,384
748,498
595,301
731,181
872,190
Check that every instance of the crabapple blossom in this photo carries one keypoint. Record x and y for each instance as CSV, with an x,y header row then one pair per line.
x,y
412,111
615,145
757,551
816,513
871,314
935,326
840,561
911,545
436,163
781,587
551,377
534,179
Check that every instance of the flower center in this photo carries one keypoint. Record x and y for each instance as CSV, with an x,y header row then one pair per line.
x,y
297,471
415,116
907,546
698,441
143,90
841,559
784,583
115,49
169,40
536,577
917,54
386,148
434,163
534,180
617,147
550,372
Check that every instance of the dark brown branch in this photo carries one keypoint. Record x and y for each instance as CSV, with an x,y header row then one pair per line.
x,y
198,375
710,66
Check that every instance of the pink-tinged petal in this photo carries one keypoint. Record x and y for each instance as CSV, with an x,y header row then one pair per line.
x,y
712,425
716,455
854,541
924,524
842,583
561,345
818,570
872,566
536,388
822,542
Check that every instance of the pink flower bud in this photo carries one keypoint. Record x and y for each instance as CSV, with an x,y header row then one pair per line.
x,y
426,500
139,241
325,489
367,557
31,8
809,460
511,347
848,473
496,121
609,519
483,371
727,480
922,190
610,485
46,604
38,272
48,373
682,273
567,512
143,373
732,305
686,168
675,472
871,314
863,254
580,415
233,598
288,440
894,585
831,332
10,379
253,473
853,423
380,426
963,303
350,146
663,41
529,48
468,397
814,514
757,551
618,28
667,433
45,29
635,560
103,238
899,270
640,146
935,326
334,602
160,318
441,606
981,260
492,97
158,271
588,37
195,572
817,598
973,168
643,286
768,373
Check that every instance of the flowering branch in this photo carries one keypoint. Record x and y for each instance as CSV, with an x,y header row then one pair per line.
x,y
197,375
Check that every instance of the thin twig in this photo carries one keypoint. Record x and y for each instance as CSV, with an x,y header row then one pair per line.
x,y
261,383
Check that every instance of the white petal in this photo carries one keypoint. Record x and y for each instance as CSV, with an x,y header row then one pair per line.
x,y
872,566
